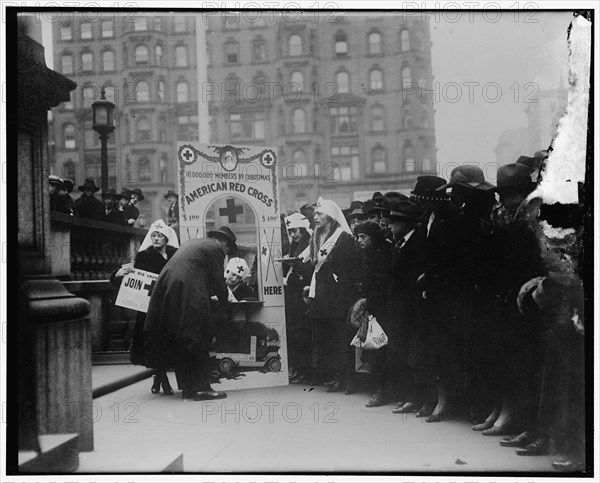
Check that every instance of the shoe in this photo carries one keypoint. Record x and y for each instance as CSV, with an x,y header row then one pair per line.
x,y
538,447
407,407
568,465
155,389
377,399
399,405
335,387
297,379
209,395
166,387
187,394
435,418
425,411
487,424
350,389
519,441
500,430
329,383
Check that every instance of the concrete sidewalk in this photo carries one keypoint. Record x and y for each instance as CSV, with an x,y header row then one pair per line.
x,y
290,429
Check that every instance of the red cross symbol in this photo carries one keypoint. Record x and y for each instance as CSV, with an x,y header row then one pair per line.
x,y
240,269
187,154
268,159
150,287
323,252
287,223
231,211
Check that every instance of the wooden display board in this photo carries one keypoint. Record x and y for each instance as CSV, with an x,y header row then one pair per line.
x,y
237,186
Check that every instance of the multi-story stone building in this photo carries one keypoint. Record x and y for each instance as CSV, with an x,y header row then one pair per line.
x,y
341,96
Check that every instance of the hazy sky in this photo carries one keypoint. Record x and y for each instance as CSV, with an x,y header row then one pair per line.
x,y
508,51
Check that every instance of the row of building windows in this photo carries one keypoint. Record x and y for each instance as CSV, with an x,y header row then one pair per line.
x,y
343,121
107,27
141,57
258,89
374,43
295,47
138,92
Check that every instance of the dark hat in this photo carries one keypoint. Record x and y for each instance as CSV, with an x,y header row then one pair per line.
x,y
514,176
355,210
68,185
88,184
111,193
308,210
138,192
370,228
56,181
377,197
468,176
370,206
125,193
405,210
224,233
390,198
171,193
425,189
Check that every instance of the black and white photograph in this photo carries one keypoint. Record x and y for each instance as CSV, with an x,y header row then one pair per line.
x,y
301,241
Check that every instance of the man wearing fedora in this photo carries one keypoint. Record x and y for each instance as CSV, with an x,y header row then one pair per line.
x,y
435,341
112,214
354,214
122,201
475,284
68,184
407,264
518,260
389,199
88,206
130,210
173,210
180,323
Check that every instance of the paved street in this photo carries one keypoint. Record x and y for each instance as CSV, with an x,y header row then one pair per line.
x,y
286,429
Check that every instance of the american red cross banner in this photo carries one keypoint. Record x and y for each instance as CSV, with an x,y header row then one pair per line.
x,y
136,289
222,185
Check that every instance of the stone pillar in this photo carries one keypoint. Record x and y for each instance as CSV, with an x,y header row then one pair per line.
x,y
54,332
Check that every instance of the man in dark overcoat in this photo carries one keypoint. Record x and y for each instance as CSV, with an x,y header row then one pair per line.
x,y
407,265
88,206
435,338
179,321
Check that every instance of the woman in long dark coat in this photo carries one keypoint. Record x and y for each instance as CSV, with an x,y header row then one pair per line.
x,y
179,324
335,286
157,248
376,263
297,275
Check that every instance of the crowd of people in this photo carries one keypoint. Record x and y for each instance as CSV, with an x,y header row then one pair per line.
x,y
477,288
482,305
118,208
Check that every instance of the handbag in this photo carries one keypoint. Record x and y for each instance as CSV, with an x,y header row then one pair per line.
x,y
373,338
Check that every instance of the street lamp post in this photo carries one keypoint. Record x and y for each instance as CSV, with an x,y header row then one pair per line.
x,y
103,125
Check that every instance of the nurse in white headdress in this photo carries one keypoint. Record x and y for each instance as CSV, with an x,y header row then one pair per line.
x,y
334,287
156,250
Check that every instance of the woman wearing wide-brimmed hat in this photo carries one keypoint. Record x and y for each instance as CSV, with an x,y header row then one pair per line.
x,y
156,250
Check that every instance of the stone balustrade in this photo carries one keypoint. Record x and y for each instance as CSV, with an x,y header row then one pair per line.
x,y
84,249
84,253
